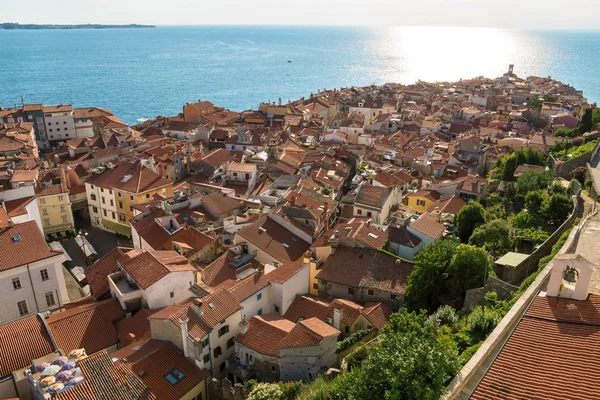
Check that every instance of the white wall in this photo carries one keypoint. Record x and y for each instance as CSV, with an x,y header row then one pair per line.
x,y
297,363
159,294
66,124
286,292
251,305
425,240
9,296
215,341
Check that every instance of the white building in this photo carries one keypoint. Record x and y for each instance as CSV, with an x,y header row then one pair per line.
x,y
151,279
59,122
20,205
287,281
31,273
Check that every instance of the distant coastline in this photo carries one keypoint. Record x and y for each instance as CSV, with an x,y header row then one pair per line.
x,y
14,26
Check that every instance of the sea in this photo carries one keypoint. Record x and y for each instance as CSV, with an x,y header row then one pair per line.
x,y
142,73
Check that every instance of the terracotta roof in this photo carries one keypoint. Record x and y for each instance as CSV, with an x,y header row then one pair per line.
x,y
355,267
388,180
197,328
59,108
222,269
447,205
21,342
29,248
372,196
428,225
428,194
378,314
218,203
270,237
217,157
285,272
308,332
551,354
106,381
146,267
305,306
90,326
156,359
241,167
473,184
356,229
97,274
218,306
23,175
137,325
133,178
17,207
265,333
91,112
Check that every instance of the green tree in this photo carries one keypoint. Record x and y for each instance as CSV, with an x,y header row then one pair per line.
x,y
494,236
523,220
266,391
557,208
410,362
596,118
534,201
468,268
426,281
586,121
550,99
536,103
531,180
470,217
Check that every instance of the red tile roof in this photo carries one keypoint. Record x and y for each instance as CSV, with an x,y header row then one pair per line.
x,y
29,248
285,271
97,274
218,306
248,286
22,342
197,328
372,196
156,359
218,203
551,354
133,178
270,237
447,205
356,267
138,325
428,225
90,326
265,333
431,195
146,267
308,332
106,381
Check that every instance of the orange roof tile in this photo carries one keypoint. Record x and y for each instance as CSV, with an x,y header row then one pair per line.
x,y
30,246
265,333
285,271
138,325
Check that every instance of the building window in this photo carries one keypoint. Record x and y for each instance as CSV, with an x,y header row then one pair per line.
x,y
273,369
22,306
222,367
62,208
92,186
112,203
114,216
64,122
206,358
204,343
42,200
119,194
172,294
260,311
101,190
131,198
420,203
103,200
93,197
315,286
258,296
16,283
230,343
44,211
104,211
64,219
369,214
110,191
174,376
347,330
44,274
130,208
276,309
120,204
223,330
95,209
217,351
47,221
61,197
370,292
121,217
350,291
147,195
50,299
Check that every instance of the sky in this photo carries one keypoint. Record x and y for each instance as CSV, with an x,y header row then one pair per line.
x,y
514,14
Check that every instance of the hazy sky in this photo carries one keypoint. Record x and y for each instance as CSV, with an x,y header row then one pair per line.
x,y
535,14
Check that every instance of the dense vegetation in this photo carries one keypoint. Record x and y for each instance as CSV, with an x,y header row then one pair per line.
x,y
506,166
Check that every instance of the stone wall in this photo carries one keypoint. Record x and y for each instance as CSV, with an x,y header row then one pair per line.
x,y
565,168
475,297
224,390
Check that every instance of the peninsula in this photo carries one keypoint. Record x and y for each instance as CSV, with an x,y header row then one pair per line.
x,y
12,25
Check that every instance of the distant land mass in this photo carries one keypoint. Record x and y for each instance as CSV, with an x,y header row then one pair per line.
x,y
12,25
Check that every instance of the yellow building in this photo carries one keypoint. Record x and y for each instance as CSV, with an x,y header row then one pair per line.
x,y
55,209
112,192
423,199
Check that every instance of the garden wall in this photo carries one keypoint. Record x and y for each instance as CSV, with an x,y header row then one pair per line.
x,y
476,297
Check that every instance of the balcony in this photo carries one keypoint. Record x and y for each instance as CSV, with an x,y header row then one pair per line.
x,y
125,290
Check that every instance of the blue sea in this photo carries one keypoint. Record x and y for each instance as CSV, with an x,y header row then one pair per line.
x,y
142,73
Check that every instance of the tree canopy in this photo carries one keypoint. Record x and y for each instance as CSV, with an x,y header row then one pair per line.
x,y
557,208
531,180
410,362
494,236
470,217
586,121
506,166
468,268
427,279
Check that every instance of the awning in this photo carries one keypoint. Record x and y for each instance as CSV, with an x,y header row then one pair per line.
x,y
113,226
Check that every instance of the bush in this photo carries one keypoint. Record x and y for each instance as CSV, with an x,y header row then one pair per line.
x,y
482,322
356,358
266,391
290,390
445,315
350,340
468,353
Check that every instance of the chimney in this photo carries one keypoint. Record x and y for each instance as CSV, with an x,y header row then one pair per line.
x,y
337,318
279,101
307,257
198,307
184,336
293,200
